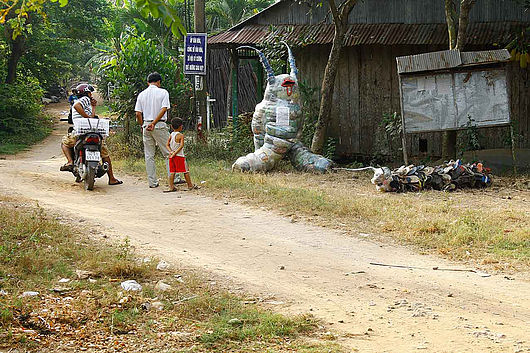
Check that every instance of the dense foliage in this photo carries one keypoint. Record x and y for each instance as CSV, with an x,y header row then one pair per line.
x,y
127,72
223,14
21,122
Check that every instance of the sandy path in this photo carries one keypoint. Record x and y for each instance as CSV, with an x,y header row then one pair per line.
x,y
376,309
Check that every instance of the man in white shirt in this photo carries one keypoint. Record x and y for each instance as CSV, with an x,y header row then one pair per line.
x,y
151,112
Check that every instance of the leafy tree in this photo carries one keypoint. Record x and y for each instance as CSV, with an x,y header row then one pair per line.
x,y
127,70
223,14
17,13
165,10
17,17
21,122
56,40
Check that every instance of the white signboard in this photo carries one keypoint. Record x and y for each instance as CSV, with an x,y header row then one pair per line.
x,y
446,101
282,116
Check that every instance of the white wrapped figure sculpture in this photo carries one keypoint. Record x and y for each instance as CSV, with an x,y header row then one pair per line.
x,y
277,126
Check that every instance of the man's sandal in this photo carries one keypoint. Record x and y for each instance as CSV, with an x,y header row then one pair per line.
x,y
67,168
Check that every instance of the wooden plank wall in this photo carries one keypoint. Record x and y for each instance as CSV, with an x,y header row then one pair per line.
x,y
367,87
390,11
218,76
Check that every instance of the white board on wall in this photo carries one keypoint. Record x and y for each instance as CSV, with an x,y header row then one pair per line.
x,y
446,101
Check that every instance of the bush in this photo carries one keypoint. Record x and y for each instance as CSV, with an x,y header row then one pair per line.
x,y
127,70
21,120
229,144
310,107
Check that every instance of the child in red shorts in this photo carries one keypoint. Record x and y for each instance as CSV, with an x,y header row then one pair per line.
x,y
177,160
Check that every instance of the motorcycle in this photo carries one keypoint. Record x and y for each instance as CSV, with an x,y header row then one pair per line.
x,y
87,151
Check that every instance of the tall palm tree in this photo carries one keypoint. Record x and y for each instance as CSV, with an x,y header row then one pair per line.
x,y
223,14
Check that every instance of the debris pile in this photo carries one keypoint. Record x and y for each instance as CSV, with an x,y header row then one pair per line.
x,y
446,177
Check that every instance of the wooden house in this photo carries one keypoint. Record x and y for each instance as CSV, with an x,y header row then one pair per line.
x,y
367,80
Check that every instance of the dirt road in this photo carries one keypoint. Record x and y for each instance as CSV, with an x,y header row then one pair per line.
x,y
307,268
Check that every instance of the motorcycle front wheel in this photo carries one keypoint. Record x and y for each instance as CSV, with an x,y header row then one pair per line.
x,y
90,177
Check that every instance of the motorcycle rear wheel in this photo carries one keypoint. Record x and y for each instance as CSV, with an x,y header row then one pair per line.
x,y
90,178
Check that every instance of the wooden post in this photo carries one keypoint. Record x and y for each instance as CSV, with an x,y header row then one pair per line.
x,y
235,77
403,132
514,161
200,95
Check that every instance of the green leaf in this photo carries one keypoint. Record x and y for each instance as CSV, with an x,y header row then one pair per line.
x,y
144,11
167,21
154,10
63,3
177,28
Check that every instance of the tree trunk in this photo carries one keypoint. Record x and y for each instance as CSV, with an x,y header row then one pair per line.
x,y
450,17
465,8
340,21
17,50
328,87
455,42
448,146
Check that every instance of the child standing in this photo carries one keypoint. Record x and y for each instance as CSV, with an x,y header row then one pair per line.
x,y
177,160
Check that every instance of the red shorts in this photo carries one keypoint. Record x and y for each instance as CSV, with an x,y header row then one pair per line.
x,y
177,164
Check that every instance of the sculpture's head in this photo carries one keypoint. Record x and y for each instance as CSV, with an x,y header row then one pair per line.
x,y
284,86
382,178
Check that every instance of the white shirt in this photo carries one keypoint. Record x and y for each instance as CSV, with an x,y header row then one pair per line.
x,y
150,101
85,104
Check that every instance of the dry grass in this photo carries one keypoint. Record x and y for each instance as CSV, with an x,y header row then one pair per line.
x,y
36,251
490,226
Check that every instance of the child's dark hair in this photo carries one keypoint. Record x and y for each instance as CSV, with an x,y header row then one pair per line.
x,y
176,123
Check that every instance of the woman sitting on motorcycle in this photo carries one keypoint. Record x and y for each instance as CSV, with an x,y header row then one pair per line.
x,y
85,107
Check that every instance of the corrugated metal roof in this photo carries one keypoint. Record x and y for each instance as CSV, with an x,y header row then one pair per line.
x,y
429,61
449,58
357,34
487,56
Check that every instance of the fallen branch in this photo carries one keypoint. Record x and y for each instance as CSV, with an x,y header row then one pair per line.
x,y
436,268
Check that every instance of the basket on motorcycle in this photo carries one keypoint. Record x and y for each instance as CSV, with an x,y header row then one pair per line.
x,y
83,126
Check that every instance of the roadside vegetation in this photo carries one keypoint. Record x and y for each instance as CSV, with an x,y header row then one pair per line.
x,y
22,122
490,226
80,302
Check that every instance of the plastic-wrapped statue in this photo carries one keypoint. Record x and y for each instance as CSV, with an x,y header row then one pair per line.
x,y
277,126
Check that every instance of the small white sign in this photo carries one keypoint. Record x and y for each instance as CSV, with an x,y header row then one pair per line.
x,y
198,83
282,116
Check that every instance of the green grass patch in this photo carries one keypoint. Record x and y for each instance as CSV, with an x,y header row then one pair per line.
x,y
460,225
36,250
15,144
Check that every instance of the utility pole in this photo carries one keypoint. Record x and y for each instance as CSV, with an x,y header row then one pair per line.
x,y
201,89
